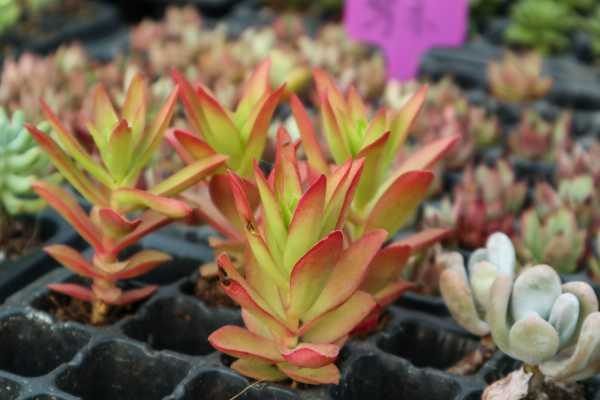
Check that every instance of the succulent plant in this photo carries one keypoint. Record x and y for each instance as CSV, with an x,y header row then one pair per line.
x,y
579,161
555,240
535,319
592,26
467,296
536,139
518,78
541,24
10,12
300,296
531,316
23,163
125,143
486,201
351,135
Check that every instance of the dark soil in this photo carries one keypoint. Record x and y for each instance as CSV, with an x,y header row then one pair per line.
x,y
552,391
20,236
209,291
66,308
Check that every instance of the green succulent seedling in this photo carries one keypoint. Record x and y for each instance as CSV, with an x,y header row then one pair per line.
x,y
541,24
10,12
555,240
21,163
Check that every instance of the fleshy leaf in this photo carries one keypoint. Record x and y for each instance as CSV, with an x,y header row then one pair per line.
x,y
189,146
423,239
140,263
134,295
133,198
533,340
348,274
309,355
386,268
309,138
73,290
393,208
328,374
258,370
72,259
310,274
241,343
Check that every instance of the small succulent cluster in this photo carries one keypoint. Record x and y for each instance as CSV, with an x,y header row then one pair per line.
x,y
518,78
22,163
530,315
486,200
541,24
537,139
447,112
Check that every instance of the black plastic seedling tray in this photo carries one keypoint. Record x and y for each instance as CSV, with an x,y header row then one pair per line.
x,y
162,352
17,273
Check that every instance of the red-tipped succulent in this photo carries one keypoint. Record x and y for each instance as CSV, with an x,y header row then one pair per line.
x,y
240,134
387,194
121,213
300,293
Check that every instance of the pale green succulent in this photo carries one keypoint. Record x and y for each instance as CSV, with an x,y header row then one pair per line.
x,y
531,316
467,296
555,240
554,327
22,162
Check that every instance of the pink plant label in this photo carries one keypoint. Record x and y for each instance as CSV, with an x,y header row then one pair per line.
x,y
406,29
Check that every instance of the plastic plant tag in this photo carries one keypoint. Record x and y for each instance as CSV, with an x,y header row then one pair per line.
x,y
406,29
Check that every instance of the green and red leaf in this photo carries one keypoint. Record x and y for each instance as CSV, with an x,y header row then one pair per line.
x,y
386,268
73,260
310,355
189,146
398,203
254,90
241,343
310,142
134,295
423,239
73,290
328,374
140,263
258,370
311,272
129,199
68,207
348,274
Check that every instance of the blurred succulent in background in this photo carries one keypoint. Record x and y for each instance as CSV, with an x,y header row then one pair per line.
x,y
581,5
387,194
23,162
541,24
319,8
518,78
487,200
555,240
447,112
10,12
121,213
579,161
300,296
592,26
540,140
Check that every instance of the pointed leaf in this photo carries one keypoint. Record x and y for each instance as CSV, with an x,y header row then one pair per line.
x,y
396,205
311,272
151,221
337,141
392,292
305,226
134,107
140,263
348,274
135,198
73,148
189,146
386,268
104,116
73,290
372,171
276,230
68,207
112,223
72,260
423,239
342,185
339,322
189,176
326,87
119,150
310,142
67,168
254,89
134,295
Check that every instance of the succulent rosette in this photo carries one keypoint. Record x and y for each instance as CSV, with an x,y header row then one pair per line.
x,y
300,294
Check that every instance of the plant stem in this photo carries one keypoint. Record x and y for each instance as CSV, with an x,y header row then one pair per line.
x,y
99,312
